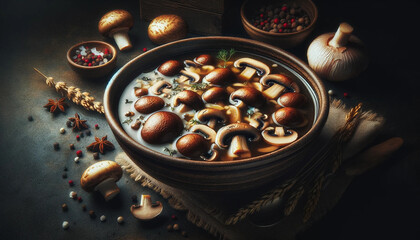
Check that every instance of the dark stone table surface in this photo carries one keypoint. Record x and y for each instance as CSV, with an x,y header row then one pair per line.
x,y
381,204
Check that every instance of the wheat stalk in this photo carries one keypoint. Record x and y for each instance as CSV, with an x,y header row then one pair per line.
x,y
293,200
74,94
314,196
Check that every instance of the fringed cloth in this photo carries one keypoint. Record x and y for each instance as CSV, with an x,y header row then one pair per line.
x,y
288,207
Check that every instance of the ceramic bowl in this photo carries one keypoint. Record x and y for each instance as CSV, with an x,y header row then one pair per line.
x,y
93,71
218,176
283,40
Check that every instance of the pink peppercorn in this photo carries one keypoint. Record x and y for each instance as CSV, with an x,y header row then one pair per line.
x,y
79,153
345,94
96,126
284,8
71,183
276,20
77,137
144,49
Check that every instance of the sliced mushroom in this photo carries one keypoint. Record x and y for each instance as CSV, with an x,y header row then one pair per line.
x,y
189,77
215,95
277,84
158,87
251,66
212,155
247,96
233,113
289,117
292,99
211,116
200,69
258,121
208,133
278,136
192,145
235,137
187,100
149,104
138,92
162,127
170,68
146,210
219,76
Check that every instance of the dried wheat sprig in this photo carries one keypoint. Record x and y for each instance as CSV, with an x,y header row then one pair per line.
x,y
258,204
293,200
74,94
314,196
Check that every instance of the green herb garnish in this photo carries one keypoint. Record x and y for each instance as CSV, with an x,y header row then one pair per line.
x,y
127,101
128,120
199,86
225,56
169,151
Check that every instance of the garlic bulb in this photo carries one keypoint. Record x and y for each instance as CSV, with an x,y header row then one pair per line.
x,y
339,56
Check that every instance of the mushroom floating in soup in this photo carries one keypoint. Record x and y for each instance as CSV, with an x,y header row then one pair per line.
x,y
217,107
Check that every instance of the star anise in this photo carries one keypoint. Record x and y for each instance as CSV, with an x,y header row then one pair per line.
x,y
78,124
53,105
101,145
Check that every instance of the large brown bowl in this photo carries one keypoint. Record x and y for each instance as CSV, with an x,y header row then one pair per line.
x,y
283,40
219,176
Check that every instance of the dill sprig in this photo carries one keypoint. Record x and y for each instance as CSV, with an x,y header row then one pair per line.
x,y
225,55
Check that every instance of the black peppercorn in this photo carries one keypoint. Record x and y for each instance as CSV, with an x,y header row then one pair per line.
x,y
56,146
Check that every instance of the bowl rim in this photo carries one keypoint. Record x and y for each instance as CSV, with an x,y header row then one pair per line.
x,y
246,21
115,125
72,48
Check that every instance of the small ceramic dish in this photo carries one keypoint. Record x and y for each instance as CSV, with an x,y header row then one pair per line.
x,y
92,71
283,40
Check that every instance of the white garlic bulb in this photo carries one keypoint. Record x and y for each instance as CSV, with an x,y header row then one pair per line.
x,y
338,57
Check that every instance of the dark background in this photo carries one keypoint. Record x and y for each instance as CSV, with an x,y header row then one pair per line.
x,y
381,204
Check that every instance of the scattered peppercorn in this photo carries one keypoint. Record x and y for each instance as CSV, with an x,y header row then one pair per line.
x,y
120,220
169,228
330,92
64,175
71,183
79,199
73,194
64,207
96,155
62,130
65,169
65,225
173,217
30,118
96,126
144,49
103,218
345,95
92,214
81,134
175,227
79,153
72,146
56,146
76,159
77,137
84,208
69,124
88,133
184,234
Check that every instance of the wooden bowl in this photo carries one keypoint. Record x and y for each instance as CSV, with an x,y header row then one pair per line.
x,y
93,71
219,176
283,40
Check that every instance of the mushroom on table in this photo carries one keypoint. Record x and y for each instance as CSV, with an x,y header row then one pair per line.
x,y
277,84
235,137
101,177
146,210
250,68
116,24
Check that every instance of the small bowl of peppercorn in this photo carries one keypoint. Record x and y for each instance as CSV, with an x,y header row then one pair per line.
x,y
284,24
92,59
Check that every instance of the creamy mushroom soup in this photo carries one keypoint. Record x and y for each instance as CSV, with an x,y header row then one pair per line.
x,y
217,107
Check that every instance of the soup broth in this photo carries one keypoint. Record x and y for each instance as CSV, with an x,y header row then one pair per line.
x,y
230,105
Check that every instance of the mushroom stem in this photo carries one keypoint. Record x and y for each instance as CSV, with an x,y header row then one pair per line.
x,y
342,36
274,91
122,39
212,123
239,148
247,74
108,188
146,210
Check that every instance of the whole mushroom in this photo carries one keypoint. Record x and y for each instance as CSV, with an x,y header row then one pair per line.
x,y
251,66
247,96
211,116
235,137
116,24
292,99
149,104
101,177
219,76
170,67
289,117
277,84
167,28
192,145
161,127
187,100
146,210
204,59
215,95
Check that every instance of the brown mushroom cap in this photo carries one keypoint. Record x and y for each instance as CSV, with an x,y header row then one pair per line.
x,y
220,76
248,95
167,28
192,145
149,104
289,117
116,19
204,59
138,92
215,95
162,127
188,98
292,99
170,67
99,172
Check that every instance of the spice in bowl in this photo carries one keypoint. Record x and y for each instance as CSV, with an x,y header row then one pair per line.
x,y
86,56
280,18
